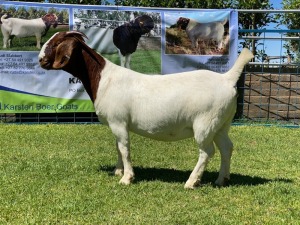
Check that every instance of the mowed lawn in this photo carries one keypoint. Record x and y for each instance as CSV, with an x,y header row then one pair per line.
x,y
59,174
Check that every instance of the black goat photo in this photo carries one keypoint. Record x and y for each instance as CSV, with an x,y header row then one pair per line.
x,y
119,34
127,36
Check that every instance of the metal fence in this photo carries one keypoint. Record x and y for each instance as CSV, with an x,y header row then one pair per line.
x,y
269,88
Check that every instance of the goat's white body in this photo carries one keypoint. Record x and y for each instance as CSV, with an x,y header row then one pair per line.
x,y
22,28
163,107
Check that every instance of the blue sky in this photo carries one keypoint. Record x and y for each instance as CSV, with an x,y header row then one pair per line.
x,y
275,47
276,4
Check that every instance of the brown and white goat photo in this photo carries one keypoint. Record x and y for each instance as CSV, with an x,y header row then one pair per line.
x,y
128,101
194,37
27,33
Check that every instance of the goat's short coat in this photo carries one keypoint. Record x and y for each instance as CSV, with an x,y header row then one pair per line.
x,y
199,104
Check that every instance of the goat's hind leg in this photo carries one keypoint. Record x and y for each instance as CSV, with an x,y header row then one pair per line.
x,y
6,40
125,60
205,154
225,146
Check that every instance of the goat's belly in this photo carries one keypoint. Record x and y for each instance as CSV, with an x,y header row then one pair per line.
x,y
169,134
22,32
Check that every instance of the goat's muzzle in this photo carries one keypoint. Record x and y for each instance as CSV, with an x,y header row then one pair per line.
x,y
55,24
45,63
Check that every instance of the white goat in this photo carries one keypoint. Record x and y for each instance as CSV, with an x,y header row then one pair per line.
x,y
199,104
16,27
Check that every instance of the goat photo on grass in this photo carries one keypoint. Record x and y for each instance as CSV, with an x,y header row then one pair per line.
x,y
17,27
126,101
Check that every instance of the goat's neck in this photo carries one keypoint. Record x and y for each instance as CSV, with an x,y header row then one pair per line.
x,y
88,69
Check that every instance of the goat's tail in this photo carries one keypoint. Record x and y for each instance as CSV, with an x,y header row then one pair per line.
x,y
234,73
3,18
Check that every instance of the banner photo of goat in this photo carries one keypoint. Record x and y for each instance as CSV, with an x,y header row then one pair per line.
x,y
129,33
205,40
24,29
27,28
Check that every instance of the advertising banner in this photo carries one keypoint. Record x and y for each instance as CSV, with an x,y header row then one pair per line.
x,y
180,40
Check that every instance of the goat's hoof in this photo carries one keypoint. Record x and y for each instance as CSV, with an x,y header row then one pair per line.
x,y
192,185
118,172
223,182
126,180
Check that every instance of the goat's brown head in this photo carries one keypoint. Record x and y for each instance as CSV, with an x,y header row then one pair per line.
x,y
50,19
57,51
182,23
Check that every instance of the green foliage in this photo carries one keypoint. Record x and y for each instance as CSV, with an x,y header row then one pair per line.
x,y
59,174
291,21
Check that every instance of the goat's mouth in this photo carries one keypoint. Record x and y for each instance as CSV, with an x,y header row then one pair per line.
x,y
45,64
55,24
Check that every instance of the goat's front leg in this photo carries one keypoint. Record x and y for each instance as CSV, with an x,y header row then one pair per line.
x,y
38,41
205,154
123,148
127,60
122,59
118,171
128,175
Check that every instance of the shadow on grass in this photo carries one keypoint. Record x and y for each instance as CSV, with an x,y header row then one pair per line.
x,y
180,176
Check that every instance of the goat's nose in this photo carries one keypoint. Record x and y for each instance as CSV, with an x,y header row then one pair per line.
x,y
44,63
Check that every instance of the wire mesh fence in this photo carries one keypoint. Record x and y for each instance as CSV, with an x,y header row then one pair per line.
x,y
270,85
269,95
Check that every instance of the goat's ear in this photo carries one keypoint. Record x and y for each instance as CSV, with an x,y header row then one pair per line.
x,y
63,54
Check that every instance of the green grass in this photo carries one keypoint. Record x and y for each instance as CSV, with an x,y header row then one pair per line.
x,y
59,174
143,61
